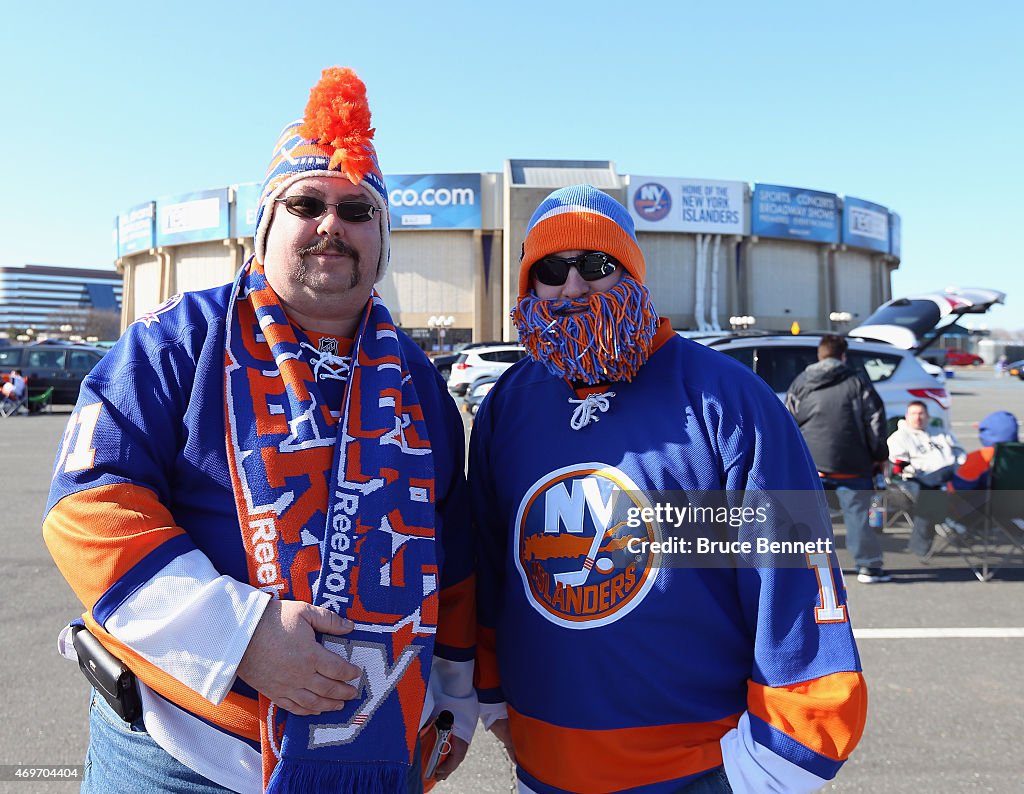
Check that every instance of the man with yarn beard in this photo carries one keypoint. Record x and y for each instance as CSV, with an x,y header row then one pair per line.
x,y
606,671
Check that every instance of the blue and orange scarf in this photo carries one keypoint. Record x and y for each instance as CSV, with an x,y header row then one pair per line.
x,y
336,509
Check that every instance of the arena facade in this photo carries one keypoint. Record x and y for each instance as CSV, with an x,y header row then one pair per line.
x,y
715,249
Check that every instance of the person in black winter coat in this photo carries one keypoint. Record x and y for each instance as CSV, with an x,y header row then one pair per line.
x,y
842,419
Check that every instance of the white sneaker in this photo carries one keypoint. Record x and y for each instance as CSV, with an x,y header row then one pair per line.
x,y
872,575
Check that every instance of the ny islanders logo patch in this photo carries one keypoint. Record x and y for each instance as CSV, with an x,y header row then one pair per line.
x,y
571,533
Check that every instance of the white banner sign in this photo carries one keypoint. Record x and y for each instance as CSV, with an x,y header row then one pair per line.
x,y
699,206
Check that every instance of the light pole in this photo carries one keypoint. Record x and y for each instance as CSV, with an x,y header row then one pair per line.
x,y
441,323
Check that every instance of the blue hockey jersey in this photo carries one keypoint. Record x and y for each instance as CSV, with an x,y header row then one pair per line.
x,y
142,523
620,675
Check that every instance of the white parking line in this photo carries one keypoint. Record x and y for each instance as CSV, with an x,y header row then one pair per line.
x,y
935,633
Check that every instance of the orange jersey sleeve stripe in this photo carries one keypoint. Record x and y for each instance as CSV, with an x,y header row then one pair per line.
x,y
826,714
485,672
596,761
235,714
456,626
95,539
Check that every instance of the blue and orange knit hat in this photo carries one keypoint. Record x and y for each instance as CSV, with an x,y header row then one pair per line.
x,y
581,217
334,139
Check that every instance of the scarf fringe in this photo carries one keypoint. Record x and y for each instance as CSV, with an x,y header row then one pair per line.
x,y
610,341
293,776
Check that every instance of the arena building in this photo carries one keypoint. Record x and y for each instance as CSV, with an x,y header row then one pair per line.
x,y
716,250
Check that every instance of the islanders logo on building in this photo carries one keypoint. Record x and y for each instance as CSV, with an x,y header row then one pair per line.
x,y
652,201
571,533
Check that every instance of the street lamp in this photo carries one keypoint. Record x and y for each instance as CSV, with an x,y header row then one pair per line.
x,y
741,322
441,323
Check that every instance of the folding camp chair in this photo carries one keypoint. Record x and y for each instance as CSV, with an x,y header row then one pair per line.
x,y
899,498
9,406
992,530
1003,537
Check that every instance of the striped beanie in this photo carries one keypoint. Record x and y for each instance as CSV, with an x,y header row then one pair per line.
x,y
334,139
580,218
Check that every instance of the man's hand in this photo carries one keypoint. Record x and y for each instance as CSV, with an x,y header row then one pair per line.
x,y
500,729
286,663
451,762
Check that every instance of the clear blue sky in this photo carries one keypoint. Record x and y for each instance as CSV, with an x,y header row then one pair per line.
x,y
914,105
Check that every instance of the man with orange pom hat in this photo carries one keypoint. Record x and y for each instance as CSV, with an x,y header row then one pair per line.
x,y
617,650
260,501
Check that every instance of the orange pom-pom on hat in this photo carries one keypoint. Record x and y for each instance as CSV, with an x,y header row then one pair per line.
x,y
338,116
334,139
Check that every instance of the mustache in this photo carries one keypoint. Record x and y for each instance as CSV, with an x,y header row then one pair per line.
x,y
330,244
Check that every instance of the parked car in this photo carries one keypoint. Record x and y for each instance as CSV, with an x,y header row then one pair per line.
x,y
1016,368
961,358
476,392
897,375
62,365
915,322
444,362
478,362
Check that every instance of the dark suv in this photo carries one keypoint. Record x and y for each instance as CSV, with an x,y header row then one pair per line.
x,y
58,364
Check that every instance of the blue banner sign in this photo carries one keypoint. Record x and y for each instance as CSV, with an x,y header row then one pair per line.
x,y
794,213
894,234
192,218
865,225
136,230
243,211
434,201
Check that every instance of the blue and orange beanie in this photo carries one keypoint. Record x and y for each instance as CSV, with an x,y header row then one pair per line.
x,y
334,139
580,217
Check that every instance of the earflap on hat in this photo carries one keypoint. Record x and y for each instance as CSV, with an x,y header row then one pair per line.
x,y
334,139
581,217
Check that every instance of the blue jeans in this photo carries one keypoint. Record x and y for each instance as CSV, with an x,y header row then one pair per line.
x,y
714,782
854,496
125,759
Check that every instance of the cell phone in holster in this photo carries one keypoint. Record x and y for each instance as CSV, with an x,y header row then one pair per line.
x,y
109,676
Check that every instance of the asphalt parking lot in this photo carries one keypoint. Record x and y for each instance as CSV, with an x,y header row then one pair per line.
x,y
946,707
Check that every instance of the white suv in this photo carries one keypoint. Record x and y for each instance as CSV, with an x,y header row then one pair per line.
x,y
479,362
896,374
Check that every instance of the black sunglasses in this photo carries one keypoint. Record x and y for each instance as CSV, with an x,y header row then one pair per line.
x,y
554,270
311,208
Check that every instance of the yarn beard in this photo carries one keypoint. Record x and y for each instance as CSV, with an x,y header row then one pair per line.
x,y
609,341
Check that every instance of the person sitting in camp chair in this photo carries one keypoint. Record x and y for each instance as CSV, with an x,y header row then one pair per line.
x,y
996,428
986,506
925,457
15,392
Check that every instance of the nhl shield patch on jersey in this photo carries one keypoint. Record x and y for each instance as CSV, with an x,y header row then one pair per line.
x,y
572,534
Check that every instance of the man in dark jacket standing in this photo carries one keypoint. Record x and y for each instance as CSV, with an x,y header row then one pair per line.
x,y
842,419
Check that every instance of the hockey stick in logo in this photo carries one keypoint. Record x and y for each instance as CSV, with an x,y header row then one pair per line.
x,y
604,564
